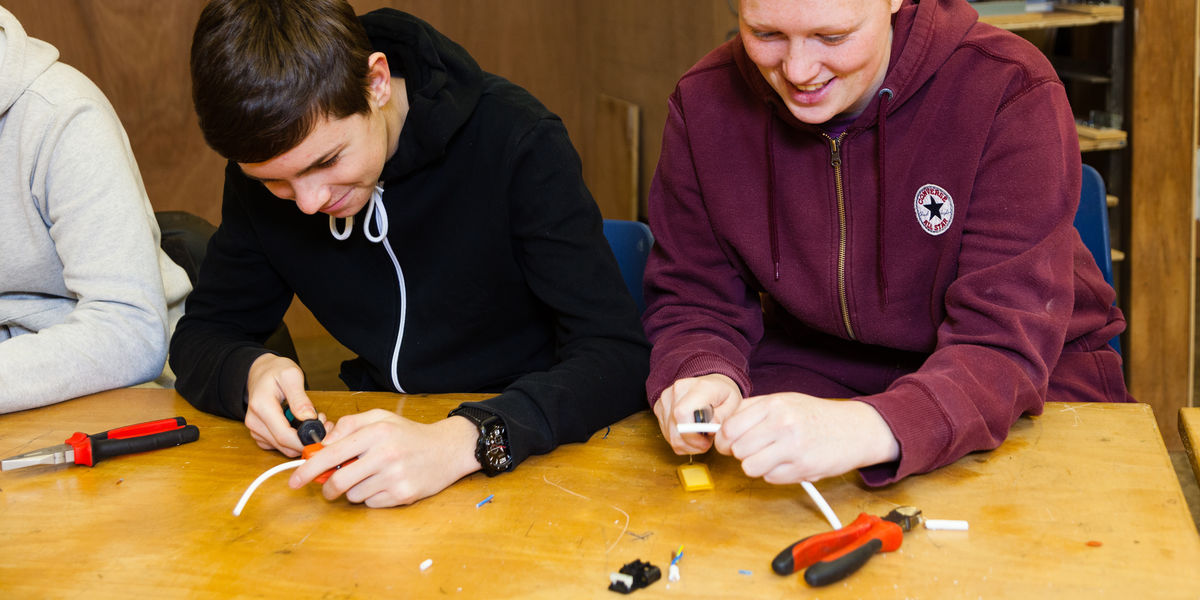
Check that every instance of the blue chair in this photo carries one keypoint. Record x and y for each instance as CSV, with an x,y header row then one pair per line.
x,y
1091,220
630,242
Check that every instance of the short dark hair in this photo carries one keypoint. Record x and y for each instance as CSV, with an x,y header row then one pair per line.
x,y
265,71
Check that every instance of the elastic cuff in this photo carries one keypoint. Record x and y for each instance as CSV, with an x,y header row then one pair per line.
x,y
920,428
524,437
234,375
705,364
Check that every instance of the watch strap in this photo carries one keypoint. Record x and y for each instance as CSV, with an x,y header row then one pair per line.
x,y
473,414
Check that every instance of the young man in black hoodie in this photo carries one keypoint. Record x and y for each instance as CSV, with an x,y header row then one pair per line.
x,y
459,250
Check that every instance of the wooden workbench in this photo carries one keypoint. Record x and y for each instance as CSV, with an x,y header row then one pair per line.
x,y
1080,502
1189,431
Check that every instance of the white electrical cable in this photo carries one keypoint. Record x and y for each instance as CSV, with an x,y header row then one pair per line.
x,y
697,427
821,504
946,524
237,510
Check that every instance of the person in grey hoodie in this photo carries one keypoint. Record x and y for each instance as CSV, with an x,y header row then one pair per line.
x,y
87,296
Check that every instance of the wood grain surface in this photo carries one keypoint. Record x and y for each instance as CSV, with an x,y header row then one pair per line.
x,y
160,525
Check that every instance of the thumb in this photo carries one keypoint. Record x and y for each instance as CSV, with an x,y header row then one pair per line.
x,y
291,384
342,428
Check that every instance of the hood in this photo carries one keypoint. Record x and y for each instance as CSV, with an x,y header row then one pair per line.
x,y
918,51
22,59
444,84
925,35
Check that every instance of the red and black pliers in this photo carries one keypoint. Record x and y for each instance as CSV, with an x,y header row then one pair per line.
x,y
831,556
83,449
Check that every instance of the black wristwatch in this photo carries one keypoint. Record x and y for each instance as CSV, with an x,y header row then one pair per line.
x,y
492,448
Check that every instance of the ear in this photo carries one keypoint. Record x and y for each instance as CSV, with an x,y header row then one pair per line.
x,y
379,79
895,5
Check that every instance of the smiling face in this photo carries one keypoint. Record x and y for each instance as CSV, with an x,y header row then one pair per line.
x,y
824,58
334,170
336,167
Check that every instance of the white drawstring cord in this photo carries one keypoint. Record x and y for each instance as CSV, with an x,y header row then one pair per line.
x,y
237,510
377,213
341,235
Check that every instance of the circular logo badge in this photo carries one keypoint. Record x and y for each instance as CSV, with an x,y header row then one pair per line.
x,y
935,209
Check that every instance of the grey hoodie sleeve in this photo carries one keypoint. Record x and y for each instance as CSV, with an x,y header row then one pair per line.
x,y
82,301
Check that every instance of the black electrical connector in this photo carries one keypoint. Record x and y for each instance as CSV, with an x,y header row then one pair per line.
x,y
632,576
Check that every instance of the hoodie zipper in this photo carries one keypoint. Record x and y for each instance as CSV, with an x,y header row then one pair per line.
x,y
835,159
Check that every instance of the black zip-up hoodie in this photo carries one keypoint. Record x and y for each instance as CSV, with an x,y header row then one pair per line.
x,y
493,275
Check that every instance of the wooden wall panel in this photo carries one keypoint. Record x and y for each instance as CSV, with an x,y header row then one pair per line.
x,y
1161,352
531,43
637,50
612,166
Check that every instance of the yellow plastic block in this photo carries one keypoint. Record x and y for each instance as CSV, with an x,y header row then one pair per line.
x,y
695,477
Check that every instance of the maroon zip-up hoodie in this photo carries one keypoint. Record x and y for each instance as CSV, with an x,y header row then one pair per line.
x,y
923,262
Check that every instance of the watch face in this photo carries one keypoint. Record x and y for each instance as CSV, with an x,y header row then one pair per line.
x,y
496,448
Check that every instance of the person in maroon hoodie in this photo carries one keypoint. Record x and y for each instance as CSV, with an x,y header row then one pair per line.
x,y
864,253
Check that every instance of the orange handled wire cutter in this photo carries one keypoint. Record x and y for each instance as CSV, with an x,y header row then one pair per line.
x,y
831,556
83,449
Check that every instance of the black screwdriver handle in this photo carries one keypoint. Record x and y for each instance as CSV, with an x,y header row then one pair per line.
x,y
310,431
105,448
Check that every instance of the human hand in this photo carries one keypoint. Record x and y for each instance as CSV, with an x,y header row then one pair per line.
x,y
273,380
399,461
792,437
679,402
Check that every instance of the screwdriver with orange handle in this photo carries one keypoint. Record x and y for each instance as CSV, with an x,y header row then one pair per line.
x,y
311,432
832,556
